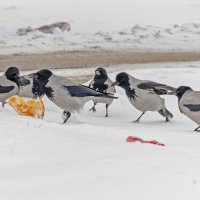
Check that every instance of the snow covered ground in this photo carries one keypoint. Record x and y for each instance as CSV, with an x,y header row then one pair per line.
x,y
89,158
109,24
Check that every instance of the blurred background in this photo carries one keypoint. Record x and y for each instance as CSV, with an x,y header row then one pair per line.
x,y
94,15
102,32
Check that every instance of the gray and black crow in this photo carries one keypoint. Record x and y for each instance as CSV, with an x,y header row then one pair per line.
x,y
102,83
144,95
61,91
26,90
189,103
10,82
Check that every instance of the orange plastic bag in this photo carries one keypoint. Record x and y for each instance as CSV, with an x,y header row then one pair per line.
x,y
34,107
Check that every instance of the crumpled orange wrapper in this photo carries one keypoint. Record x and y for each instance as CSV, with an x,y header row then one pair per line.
x,y
33,108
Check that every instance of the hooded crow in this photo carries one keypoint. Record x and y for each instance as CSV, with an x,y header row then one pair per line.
x,y
102,83
10,82
26,90
189,103
61,91
144,95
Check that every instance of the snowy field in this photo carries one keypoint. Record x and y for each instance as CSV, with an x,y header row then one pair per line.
x,y
138,25
89,158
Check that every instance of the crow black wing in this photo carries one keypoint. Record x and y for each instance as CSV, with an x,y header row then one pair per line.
x,y
193,107
6,89
84,91
156,87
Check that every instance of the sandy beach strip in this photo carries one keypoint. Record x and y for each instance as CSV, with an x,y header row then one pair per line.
x,y
83,59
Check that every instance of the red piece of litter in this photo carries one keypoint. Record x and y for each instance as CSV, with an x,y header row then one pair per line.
x,y
137,139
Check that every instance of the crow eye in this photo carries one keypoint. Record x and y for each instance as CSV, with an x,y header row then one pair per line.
x,y
14,74
120,79
40,76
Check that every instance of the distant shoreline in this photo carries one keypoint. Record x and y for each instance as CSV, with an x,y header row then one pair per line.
x,y
84,59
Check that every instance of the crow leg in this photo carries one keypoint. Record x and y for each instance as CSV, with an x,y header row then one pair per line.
x,y
66,116
197,129
3,103
93,108
137,120
106,110
165,113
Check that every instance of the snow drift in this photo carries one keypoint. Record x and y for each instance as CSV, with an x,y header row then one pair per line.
x,y
89,158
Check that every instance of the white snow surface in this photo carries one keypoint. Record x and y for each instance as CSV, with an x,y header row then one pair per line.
x,y
138,25
88,158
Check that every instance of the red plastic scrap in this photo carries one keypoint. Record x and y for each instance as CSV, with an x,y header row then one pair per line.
x,y
137,139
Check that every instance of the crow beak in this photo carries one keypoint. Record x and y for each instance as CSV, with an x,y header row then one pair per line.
x,y
23,81
115,83
172,92
33,75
